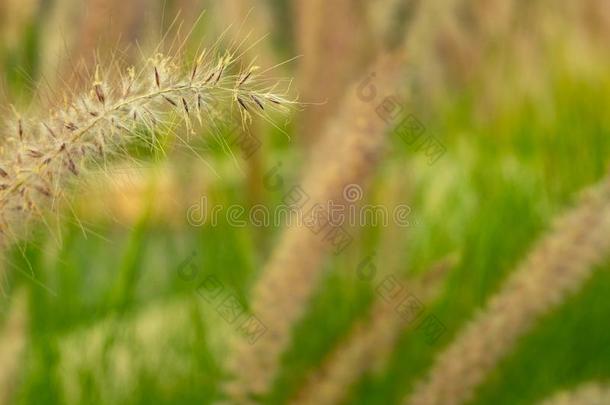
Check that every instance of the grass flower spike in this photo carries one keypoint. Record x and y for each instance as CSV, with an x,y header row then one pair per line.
x,y
41,154
280,297
558,266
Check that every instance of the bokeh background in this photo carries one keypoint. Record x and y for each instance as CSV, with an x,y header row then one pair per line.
x,y
95,308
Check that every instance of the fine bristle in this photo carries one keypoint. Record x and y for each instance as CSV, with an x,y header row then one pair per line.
x,y
45,151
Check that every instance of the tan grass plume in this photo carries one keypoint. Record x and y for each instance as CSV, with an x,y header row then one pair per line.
x,y
13,344
41,154
335,44
370,342
559,265
281,295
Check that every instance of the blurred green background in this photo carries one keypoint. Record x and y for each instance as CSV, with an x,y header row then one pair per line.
x,y
522,113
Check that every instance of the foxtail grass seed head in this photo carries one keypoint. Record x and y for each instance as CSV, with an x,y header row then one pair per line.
x,y
41,154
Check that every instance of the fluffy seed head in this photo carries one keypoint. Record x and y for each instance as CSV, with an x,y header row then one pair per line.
x,y
42,153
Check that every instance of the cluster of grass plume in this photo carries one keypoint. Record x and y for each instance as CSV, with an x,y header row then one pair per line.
x,y
350,145
43,154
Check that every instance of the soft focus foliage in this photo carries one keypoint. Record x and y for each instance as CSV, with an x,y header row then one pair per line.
x,y
101,300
